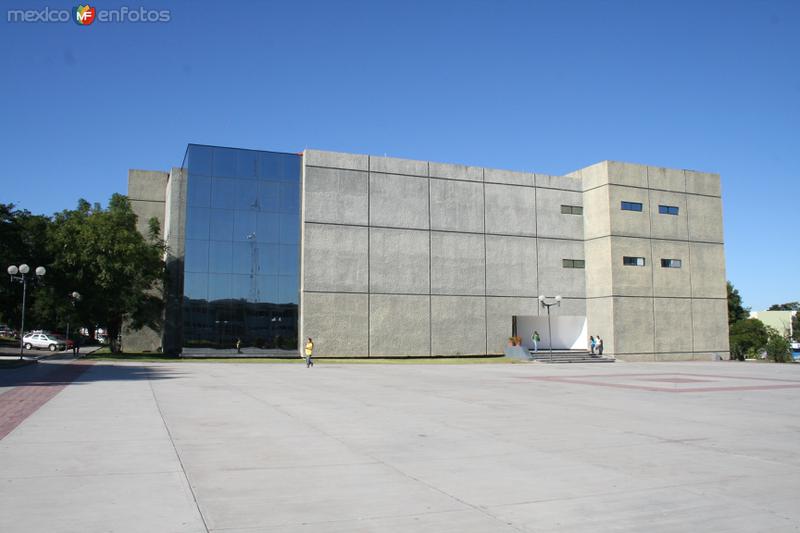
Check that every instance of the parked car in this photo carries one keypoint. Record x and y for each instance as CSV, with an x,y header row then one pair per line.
x,y
6,331
41,341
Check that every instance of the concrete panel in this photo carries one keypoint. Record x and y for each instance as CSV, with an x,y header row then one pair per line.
x,y
456,205
671,281
596,213
633,326
710,325
508,177
550,221
393,165
705,218
336,196
321,158
668,226
600,318
398,201
592,176
458,325
511,266
569,183
703,183
144,212
510,210
598,267
554,279
399,325
629,223
148,185
631,280
335,258
667,179
569,307
456,172
399,261
621,173
498,319
673,325
708,270
336,322
457,263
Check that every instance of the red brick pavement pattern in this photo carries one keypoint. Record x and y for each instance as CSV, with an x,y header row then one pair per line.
x,y
21,402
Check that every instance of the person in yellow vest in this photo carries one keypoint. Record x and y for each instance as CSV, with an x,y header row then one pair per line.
x,y
309,353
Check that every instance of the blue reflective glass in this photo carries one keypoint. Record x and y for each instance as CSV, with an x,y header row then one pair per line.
x,y
245,226
197,223
219,287
247,164
267,288
243,287
225,162
269,258
195,286
221,224
198,191
220,255
289,260
196,255
243,254
223,193
287,289
268,227
290,197
247,195
279,167
269,196
290,228
631,206
667,210
198,159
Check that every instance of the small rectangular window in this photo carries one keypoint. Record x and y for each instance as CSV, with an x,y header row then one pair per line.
x,y
573,263
631,206
671,263
571,210
633,261
668,210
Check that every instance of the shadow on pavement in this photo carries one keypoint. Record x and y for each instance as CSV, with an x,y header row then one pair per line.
x,y
56,373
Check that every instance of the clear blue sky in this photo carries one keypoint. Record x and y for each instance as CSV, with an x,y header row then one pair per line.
x,y
547,87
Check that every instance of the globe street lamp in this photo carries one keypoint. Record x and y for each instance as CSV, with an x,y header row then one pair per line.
x,y
20,275
74,297
544,301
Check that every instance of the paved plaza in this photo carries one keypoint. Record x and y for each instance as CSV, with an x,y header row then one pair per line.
x,y
246,447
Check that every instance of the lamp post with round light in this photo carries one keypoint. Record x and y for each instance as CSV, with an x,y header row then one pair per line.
x,y
20,275
74,297
544,301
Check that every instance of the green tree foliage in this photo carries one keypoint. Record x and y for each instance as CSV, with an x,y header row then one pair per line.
x,y
747,337
778,348
789,306
99,253
736,311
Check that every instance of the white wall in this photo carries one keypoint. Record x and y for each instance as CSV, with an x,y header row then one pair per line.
x,y
569,332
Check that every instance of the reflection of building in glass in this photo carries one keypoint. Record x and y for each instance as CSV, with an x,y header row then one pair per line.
x,y
377,256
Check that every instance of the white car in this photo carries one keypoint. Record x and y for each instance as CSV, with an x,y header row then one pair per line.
x,y
42,341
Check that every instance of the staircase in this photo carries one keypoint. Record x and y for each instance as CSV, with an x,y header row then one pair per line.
x,y
568,356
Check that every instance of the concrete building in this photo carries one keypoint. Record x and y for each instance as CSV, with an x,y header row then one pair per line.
x,y
377,256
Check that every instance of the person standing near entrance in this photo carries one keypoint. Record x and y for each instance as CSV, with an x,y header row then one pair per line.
x,y
535,338
309,353
599,346
592,343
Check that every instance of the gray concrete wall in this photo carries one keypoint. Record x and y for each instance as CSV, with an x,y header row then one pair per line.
x,y
430,258
657,313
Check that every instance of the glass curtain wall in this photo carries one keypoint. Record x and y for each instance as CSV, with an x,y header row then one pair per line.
x,y
241,268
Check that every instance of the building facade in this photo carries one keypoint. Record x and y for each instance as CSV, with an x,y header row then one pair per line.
x,y
381,257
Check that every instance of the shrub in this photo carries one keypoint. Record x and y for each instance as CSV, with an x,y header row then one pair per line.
x,y
779,349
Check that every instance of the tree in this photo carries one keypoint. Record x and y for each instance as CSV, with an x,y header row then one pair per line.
x,y
789,306
747,337
736,311
100,253
778,348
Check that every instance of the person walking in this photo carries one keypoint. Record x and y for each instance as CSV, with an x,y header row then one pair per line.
x,y
309,353
599,346
238,345
535,338
592,343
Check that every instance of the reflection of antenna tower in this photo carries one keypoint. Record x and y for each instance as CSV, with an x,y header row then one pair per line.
x,y
253,267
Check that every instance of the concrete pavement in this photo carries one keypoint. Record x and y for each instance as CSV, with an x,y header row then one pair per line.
x,y
359,448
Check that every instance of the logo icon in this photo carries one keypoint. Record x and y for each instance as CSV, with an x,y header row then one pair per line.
x,y
84,15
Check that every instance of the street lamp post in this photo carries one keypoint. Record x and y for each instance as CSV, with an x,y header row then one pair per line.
x,y
20,275
75,297
556,301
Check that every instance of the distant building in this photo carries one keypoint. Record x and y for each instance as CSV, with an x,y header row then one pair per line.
x,y
377,256
781,321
